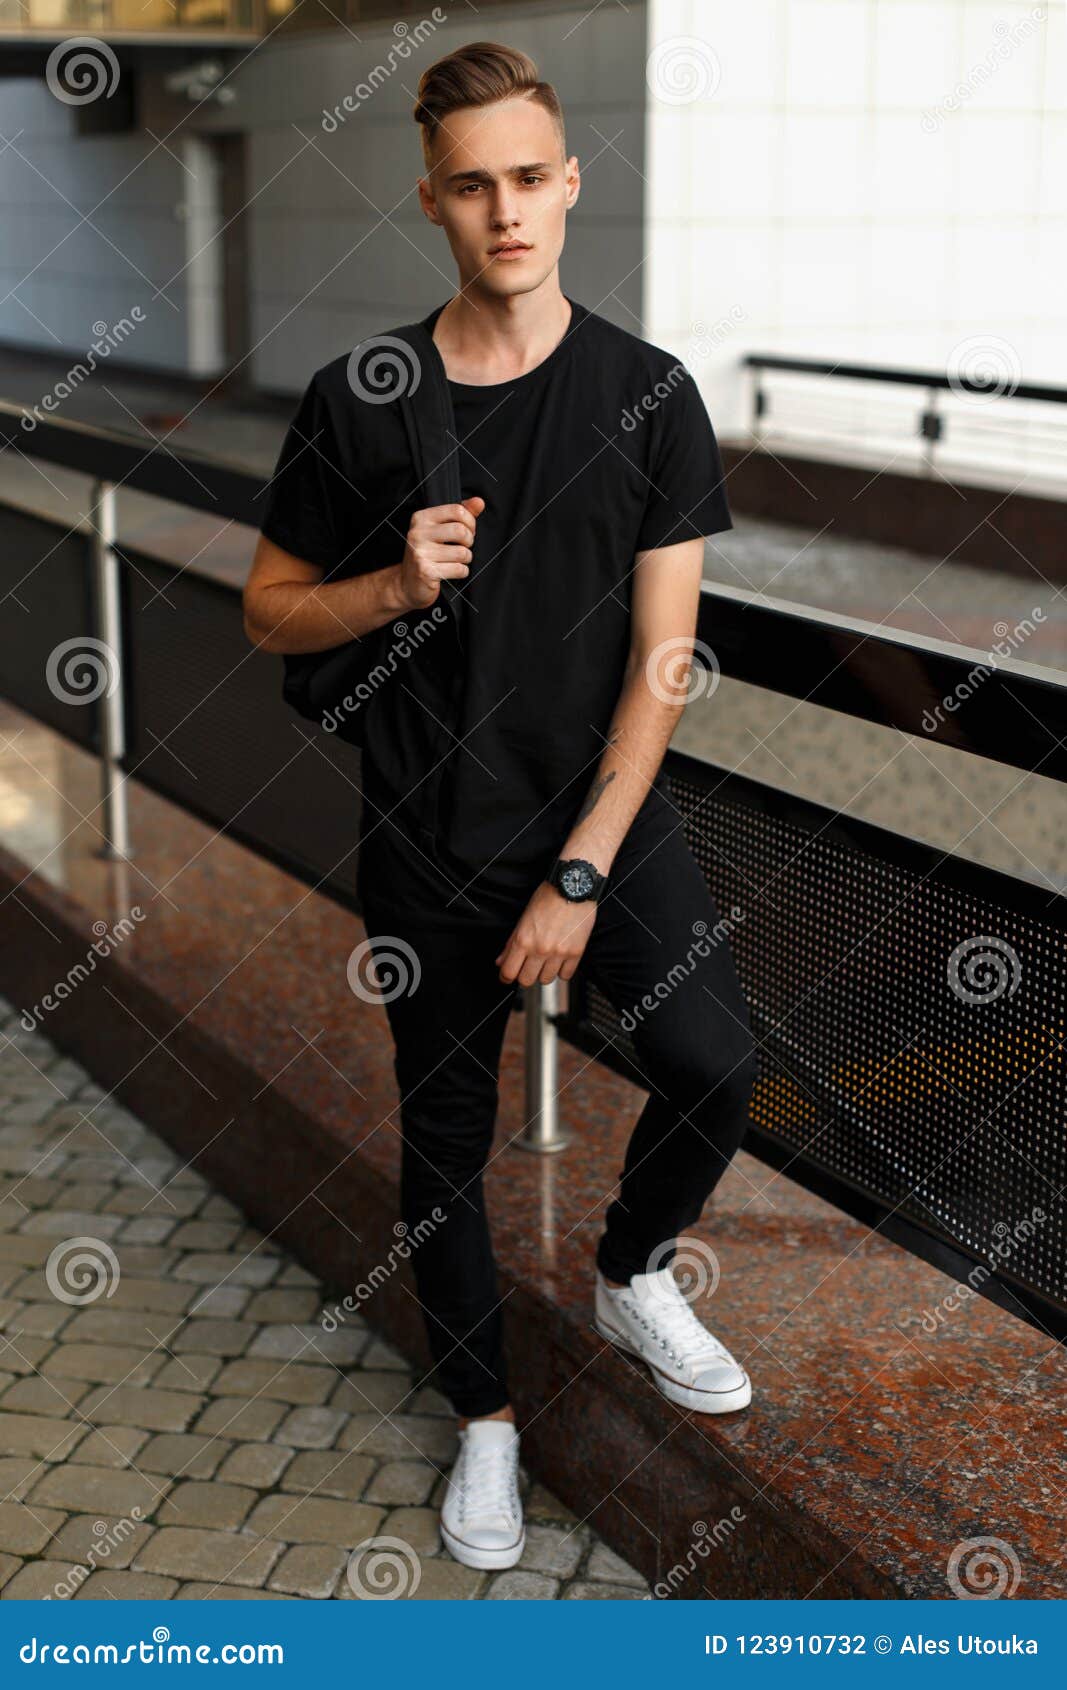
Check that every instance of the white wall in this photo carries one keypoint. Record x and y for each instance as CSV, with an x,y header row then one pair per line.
x,y
864,180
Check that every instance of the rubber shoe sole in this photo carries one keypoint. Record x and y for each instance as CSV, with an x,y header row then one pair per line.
x,y
705,1402
484,1560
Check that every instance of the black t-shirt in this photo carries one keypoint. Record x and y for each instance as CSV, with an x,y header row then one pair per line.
x,y
604,449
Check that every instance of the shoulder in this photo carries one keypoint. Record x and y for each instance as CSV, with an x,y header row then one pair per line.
x,y
619,349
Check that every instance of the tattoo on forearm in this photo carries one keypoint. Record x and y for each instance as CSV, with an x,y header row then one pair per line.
x,y
594,794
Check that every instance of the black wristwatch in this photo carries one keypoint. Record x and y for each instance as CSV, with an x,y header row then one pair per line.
x,y
577,879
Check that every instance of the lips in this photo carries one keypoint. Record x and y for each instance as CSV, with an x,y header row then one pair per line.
x,y
511,247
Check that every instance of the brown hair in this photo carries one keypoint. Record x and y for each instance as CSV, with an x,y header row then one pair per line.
x,y
479,74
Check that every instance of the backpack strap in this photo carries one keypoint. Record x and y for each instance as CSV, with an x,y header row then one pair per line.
x,y
426,407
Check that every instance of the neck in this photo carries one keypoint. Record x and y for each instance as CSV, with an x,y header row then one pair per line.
x,y
487,338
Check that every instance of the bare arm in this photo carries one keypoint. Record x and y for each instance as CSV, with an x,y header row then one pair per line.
x,y
288,607
666,597
548,940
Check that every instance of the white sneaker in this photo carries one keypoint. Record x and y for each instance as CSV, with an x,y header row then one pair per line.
x,y
481,1517
650,1318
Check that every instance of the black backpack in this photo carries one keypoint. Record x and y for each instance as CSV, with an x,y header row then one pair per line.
x,y
317,684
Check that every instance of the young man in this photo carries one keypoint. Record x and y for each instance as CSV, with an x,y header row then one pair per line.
x,y
515,816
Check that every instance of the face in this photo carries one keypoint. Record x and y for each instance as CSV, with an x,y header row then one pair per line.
x,y
498,176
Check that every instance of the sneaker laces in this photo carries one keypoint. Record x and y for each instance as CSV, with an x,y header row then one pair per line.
x,y
670,1319
488,1480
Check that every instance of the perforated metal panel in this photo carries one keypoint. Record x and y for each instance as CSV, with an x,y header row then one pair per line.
x,y
910,1014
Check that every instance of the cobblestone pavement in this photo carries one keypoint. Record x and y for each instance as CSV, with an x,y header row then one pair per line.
x,y
175,1421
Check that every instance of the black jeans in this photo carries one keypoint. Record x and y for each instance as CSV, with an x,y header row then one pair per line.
x,y
657,953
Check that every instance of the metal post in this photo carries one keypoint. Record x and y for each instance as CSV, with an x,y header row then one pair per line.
x,y
108,630
930,429
542,1131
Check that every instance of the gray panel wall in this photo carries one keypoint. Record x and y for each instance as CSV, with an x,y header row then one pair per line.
x,y
338,246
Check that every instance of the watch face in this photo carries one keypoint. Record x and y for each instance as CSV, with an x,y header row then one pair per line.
x,y
577,880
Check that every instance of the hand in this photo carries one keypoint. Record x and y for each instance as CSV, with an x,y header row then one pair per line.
x,y
439,544
548,939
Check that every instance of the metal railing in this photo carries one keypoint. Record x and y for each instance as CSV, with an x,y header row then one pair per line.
x,y
998,381
934,1113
